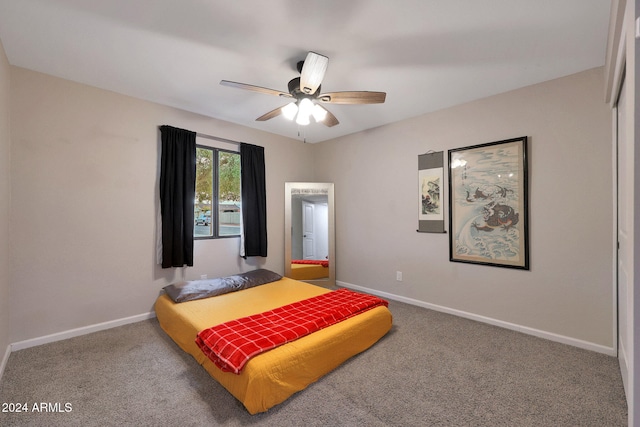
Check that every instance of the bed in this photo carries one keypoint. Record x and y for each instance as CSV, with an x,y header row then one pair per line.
x,y
271,377
309,269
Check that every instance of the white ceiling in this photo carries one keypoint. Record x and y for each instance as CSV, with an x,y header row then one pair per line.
x,y
425,54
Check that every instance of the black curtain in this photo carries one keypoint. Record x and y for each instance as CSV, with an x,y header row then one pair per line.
x,y
254,200
177,194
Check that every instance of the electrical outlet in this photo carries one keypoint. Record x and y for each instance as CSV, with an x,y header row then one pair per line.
x,y
399,276
203,276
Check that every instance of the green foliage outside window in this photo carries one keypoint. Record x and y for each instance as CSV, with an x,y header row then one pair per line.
x,y
229,172
217,210
204,175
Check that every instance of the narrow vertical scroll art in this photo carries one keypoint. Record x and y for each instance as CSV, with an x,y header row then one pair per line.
x,y
430,186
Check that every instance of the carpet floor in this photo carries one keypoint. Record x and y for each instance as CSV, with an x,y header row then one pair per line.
x,y
431,369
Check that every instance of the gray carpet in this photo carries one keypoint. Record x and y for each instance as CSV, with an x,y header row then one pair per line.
x,y
432,369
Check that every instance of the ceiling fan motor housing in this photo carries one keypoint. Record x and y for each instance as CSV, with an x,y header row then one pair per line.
x,y
294,90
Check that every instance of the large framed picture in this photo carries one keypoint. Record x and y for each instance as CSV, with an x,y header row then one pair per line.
x,y
488,204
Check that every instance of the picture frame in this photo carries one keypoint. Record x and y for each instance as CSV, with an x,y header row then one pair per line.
x,y
430,188
488,204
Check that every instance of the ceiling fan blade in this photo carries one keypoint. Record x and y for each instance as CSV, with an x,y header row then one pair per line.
x,y
270,115
253,88
354,97
330,120
313,72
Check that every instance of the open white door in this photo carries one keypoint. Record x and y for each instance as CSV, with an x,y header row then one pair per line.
x,y
308,236
625,237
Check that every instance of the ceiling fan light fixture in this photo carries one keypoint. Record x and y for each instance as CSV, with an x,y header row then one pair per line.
x,y
305,109
289,111
302,120
312,73
319,113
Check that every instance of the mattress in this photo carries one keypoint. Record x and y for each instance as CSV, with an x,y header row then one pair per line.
x,y
271,377
308,271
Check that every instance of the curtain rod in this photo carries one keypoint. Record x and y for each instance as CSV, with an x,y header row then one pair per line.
x,y
215,138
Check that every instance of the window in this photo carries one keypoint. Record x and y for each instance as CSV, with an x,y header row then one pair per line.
x,y
217,203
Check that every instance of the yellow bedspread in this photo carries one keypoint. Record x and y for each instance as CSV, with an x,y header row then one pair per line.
x,y
271,377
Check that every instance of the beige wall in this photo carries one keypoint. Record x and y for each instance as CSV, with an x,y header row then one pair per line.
x,y
5,199
568,291
85,165
85,189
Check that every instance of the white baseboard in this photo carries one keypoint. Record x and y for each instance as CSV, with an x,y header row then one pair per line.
x,y
610,351
5,359
20,345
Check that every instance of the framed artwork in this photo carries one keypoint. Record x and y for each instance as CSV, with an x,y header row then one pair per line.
x,y
430,186
488,204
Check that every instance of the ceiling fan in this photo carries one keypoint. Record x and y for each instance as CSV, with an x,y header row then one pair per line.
x,y
305,92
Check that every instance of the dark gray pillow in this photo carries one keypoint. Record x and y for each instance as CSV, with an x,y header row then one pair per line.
x,y
198,289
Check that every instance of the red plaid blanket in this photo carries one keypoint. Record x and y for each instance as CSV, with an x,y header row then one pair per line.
x,y
230,345
311,261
